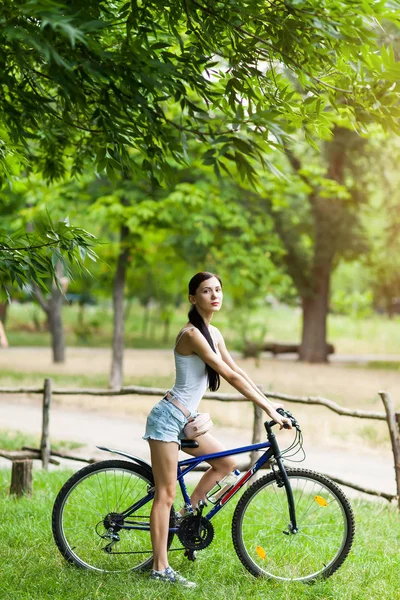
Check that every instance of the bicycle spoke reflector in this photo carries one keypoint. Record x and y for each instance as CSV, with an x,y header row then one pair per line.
x,y
321,501
261,552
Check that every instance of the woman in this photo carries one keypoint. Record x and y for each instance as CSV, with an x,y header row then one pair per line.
x,y
201,358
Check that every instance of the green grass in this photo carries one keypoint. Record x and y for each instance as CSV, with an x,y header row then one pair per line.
x,y
21,378
33,569
15,440
376,334
97,380
385,365
97,330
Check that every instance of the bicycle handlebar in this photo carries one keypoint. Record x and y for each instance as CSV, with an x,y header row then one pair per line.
x,y
288,415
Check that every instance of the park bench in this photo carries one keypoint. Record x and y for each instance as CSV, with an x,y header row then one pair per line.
x,y
254,349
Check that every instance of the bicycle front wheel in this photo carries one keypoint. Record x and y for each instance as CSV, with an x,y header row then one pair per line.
x,y
87,517
262,537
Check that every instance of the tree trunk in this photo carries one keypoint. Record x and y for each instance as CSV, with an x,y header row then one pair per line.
x,y
314,347
56,326
116,375
55,317
21,478
53,309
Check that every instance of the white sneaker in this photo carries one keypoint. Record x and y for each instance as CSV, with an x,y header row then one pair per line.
x,y
171,576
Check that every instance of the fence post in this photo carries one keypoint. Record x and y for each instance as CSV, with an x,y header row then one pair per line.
x,y
394,437
45,442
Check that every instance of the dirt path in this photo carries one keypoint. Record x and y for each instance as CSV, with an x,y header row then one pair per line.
x,y
369,468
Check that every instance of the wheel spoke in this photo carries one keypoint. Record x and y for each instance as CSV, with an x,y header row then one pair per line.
x,y
263,539
81,522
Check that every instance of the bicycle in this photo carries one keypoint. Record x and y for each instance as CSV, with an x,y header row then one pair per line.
x,y
291,524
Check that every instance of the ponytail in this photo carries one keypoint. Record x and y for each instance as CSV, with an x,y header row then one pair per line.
x,y
196,319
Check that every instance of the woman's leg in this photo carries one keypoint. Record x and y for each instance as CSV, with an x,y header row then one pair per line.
x,y
218,467
164,460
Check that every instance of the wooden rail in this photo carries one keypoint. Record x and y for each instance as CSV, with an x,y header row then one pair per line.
x,y
150,391
390,416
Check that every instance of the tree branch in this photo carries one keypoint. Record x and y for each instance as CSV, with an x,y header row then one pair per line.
x,y
40,298
27,248
290,60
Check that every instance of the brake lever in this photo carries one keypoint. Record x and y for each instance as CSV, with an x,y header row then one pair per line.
x,y
288,415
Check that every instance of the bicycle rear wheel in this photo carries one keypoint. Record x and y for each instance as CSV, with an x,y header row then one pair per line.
x,y
87,506
262,537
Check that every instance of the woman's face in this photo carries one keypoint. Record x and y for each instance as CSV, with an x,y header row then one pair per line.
x,y
208,296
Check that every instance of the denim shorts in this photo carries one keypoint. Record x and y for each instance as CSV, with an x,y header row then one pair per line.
x,y
165,423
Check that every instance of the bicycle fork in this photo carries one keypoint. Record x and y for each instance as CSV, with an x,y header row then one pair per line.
x,y
283,481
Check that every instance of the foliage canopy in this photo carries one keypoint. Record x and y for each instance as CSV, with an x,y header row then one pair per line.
x,y
129,83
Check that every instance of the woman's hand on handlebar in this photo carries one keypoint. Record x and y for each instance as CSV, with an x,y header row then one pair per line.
x,y
283,421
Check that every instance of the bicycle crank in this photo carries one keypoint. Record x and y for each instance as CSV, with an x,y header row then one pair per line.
x,y
195,532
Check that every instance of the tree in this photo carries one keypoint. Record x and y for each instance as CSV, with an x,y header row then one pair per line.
x,y
39,255
314,200
52,307
194,224
338,234
32,260
327,226
32,257
331,229
127,84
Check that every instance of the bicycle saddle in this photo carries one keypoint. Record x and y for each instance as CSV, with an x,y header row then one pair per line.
x,y
189,444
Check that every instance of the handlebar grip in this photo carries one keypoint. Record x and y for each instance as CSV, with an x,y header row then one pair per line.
x,y
288,415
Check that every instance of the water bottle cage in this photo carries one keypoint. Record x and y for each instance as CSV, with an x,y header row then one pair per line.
x,y
222,487
215,494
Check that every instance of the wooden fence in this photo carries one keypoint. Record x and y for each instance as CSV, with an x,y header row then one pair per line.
x,y
47,391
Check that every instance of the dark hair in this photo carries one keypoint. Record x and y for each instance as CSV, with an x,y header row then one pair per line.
x,y
197,320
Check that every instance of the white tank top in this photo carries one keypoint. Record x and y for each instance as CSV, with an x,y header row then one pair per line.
x,y
191,378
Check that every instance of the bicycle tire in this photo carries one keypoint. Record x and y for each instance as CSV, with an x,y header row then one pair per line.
x,y
261,533
81,506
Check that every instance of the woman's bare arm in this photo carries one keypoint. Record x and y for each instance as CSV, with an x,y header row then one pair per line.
x,y
200,346
227,358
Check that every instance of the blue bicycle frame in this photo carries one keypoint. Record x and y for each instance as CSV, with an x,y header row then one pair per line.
x,y
187,465
191,463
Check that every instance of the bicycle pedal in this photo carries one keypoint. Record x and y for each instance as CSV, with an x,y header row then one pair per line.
x,y
190,554
201,505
